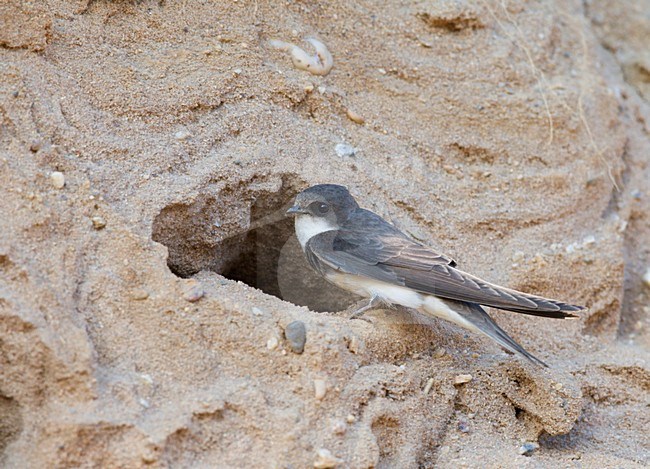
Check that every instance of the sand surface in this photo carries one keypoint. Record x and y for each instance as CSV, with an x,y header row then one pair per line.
x,y
147,276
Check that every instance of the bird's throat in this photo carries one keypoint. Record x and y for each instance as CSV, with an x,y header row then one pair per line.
x,y
308,226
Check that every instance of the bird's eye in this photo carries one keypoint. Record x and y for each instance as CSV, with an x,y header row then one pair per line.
x,y
319,208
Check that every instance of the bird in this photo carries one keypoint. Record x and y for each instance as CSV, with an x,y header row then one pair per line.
x,y
358,251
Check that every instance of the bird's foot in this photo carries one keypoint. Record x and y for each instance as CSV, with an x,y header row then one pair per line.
x,y
374,302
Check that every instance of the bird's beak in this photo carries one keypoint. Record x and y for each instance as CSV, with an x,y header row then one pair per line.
x,y
295,210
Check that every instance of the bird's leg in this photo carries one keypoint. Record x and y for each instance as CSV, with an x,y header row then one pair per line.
x,y
374,302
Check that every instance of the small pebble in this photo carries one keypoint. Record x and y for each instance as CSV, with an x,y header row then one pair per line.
x,y
296,334
589,240
528,448
98,222
354,117
257,311
272,343
462,379
182,135
57,179
325,459
193,291
320,388
428,386
139,294
350,418
35,146
646,277
343,149
463,426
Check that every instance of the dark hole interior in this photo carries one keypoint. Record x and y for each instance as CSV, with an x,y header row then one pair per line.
x,y
244,235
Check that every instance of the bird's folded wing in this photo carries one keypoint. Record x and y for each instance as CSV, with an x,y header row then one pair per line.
x,y
383,255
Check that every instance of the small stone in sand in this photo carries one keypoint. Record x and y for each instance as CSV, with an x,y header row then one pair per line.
x,y
428,386
528,448
320,388
343,149
296,334
57,179
182,135
139,294
589,240
325,459
354,117
193,291
462,379
98,222
350,418
272,343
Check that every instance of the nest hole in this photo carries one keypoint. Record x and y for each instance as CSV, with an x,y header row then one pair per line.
x,y
242,233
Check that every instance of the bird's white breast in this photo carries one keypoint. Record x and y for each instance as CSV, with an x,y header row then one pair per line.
x,y
308,226
396,294
368,287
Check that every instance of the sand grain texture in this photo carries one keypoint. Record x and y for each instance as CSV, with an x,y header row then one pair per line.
x,y
511,135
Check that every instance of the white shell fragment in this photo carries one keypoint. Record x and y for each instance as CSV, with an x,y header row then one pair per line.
x,y
57,179
462,379
319,64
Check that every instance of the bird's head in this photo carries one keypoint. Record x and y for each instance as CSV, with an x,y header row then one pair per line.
x,y
320,208
328,201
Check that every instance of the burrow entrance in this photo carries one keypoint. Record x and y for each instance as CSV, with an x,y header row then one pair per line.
x,y
242,233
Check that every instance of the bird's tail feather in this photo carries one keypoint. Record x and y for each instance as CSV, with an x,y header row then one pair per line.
x,y
479,318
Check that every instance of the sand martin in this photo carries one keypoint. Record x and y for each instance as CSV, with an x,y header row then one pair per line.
x,y
359,251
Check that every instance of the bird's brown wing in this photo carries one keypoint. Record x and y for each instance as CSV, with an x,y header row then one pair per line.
x,y
367,245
